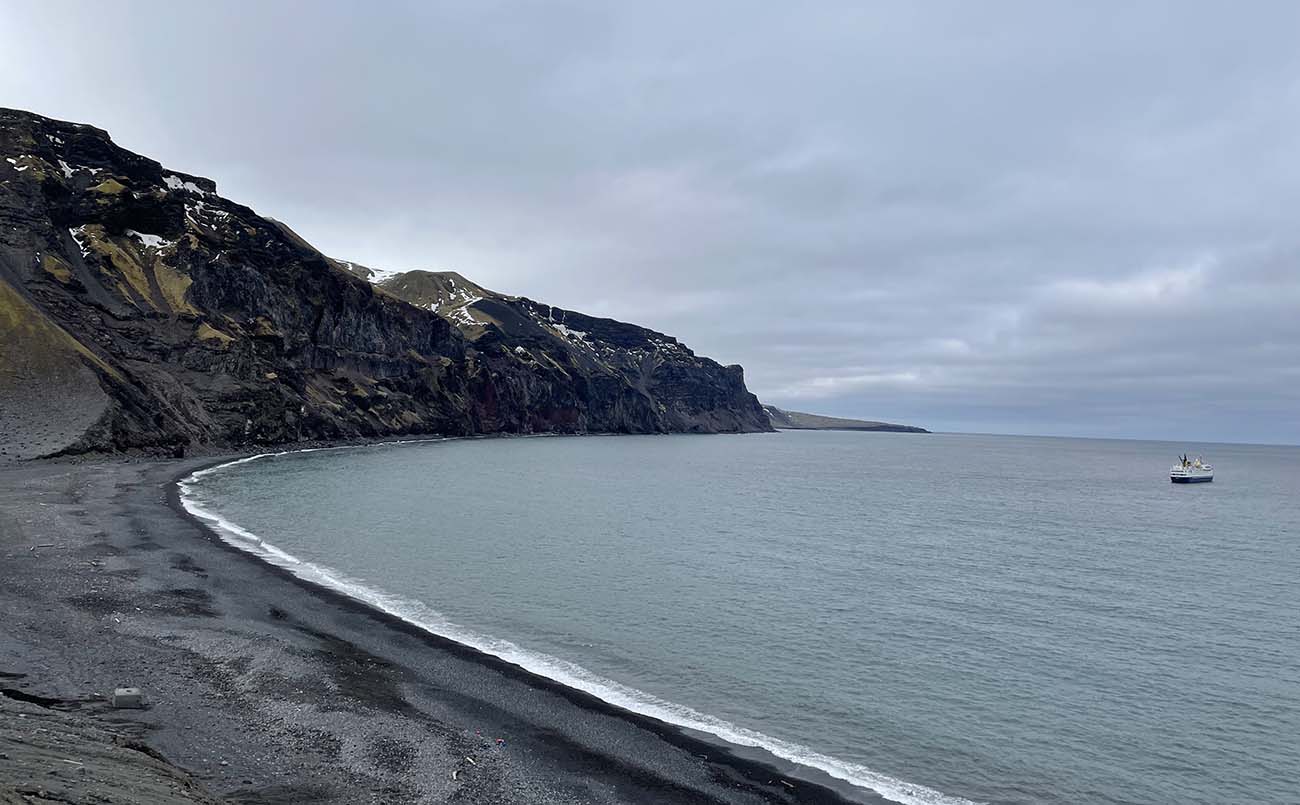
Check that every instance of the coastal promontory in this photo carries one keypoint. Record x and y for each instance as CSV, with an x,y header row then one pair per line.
x,y
141,310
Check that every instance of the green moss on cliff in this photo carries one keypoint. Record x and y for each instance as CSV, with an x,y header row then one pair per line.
x,y
57,268
109,187
29,341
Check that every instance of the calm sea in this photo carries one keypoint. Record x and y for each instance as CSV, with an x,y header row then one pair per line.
x,y
935,618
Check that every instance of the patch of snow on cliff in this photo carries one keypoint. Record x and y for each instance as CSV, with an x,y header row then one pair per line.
x,y
462,317
378,275
77,234
152,241
177,183
462,297
572,335
53,139
200,208
17,167
68,170
666,346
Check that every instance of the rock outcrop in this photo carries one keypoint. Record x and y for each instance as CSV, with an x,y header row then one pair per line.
x,y
52,753
141,310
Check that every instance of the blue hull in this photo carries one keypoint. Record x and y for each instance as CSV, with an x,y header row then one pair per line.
x,y
1204,480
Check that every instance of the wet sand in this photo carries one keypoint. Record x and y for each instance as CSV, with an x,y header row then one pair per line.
x,y
262,688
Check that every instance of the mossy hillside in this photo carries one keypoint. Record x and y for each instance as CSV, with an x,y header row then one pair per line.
x,y
151,280
174,286
31,344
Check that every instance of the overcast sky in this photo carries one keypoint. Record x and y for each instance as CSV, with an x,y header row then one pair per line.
x,y
1058,218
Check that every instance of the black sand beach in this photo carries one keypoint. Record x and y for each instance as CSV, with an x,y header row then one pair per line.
x,y
264,689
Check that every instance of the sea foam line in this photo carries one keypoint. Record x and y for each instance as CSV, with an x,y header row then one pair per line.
x,y
559,670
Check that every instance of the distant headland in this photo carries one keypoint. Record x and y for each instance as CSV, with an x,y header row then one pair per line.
x,y
795,420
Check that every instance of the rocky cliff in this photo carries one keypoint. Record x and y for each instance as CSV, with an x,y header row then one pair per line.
x,y
558,345
141,310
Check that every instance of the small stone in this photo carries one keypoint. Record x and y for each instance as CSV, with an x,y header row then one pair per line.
x,y
123,698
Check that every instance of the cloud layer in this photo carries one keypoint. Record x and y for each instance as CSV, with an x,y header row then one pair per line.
x,y
1015,217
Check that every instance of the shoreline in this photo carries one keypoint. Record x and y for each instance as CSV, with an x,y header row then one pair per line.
x,y
576,747
762,765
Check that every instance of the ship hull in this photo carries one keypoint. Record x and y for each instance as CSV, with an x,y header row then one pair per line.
x,y
1192,479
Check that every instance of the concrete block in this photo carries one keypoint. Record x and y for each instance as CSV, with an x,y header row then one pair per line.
x,y
127,697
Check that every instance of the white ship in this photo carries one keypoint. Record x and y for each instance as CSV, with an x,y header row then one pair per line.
x,y
1191,471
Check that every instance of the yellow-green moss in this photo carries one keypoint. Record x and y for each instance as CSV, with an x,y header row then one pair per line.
x,y
135,267
29,338
207,332
57,268
109,187
174,286
128,265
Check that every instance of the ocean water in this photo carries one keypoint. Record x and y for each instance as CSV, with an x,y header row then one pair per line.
x,y
935,618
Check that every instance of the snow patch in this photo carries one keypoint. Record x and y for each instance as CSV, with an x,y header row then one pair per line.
x,y
17,167
380,274
152,241
462,317
194,211
177,183
457,296
68,170
572,335
77,233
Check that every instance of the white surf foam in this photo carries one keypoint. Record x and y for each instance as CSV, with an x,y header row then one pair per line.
x,y
566,673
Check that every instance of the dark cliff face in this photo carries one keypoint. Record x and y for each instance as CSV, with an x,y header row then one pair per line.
x,y
139,309
587,357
